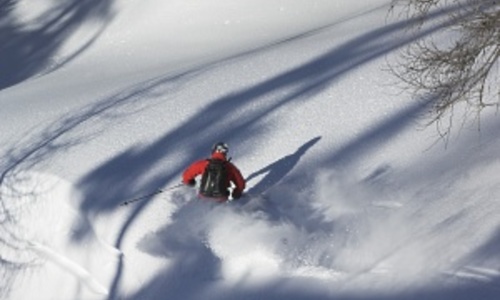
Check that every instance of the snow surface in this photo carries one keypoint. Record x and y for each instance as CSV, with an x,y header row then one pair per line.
x,y
349,197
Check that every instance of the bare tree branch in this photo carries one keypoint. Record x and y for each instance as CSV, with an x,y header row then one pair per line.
x,y
460,63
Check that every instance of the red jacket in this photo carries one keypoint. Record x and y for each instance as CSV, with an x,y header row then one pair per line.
x,y
234,175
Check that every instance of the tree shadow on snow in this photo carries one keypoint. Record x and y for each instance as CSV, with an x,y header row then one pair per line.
x,y
26,49
287,289
183,241
42,146
135,171
136,165
197,134
132,172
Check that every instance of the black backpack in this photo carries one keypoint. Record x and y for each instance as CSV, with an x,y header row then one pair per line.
x,y
214,179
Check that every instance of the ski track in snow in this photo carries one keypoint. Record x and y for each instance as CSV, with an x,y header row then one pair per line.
x,y
71,267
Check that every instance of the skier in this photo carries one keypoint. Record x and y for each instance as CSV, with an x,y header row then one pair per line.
x,y
217,175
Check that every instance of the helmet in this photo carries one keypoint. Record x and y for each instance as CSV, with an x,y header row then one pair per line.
x,y
220,147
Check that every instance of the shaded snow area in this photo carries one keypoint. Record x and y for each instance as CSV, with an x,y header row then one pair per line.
x,y
349,195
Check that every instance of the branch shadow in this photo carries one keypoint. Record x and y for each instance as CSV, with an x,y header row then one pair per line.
x,y
287,289
379,134
133,171
125,171
42,147
195,134
27,49
183,241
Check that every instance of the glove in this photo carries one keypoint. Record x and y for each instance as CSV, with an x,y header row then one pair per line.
x,y
191,182
236,195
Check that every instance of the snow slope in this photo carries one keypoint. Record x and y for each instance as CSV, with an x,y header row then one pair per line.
x,y
349,196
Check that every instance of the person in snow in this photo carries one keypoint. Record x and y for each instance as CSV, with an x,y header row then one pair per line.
x,y
217,175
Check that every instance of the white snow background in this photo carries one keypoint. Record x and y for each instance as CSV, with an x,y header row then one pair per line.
x,y
349,196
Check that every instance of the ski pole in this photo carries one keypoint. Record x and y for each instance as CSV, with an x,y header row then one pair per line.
x,y
159,191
